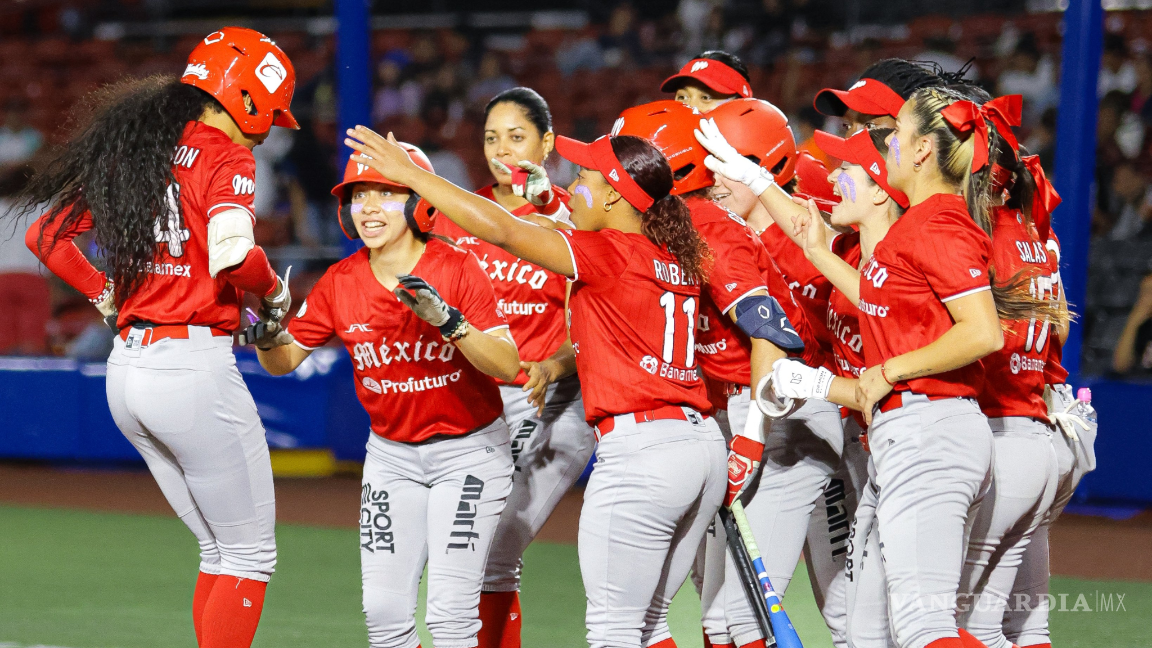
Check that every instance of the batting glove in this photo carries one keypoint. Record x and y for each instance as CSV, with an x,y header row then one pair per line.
x,y
430,306
743,458
728,162
275,306
266,335
794,379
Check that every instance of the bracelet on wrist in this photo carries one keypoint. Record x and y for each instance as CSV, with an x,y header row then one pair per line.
x,y
109,288
459,331
885,375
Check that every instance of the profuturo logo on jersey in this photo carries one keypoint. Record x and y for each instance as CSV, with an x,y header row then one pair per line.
x,y
466,512
271,72
649,364
713,348
371,385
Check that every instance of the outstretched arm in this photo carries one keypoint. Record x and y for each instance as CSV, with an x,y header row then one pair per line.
x,y
814,240
475,214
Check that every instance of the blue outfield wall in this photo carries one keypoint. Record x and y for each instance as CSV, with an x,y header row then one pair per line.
x,y
55,410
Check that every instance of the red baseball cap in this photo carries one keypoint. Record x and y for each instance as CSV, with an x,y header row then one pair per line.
x,y
599,156
713,74
812,182
860,150
866,96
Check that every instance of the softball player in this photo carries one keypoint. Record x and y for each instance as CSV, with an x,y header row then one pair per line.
x,y
813,471
742,278
551,442
659,477
875,99
868,203
164,174
420,320
1026,619
709,80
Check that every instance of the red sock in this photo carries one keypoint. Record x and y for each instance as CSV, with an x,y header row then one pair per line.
x,y
946,642
204,583
968,641
708,643
233,612
667,643
759,643
500,620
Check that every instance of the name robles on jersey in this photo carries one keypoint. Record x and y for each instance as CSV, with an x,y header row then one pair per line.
x,y
413,383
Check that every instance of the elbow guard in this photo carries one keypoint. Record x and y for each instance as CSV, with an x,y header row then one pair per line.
x,y
760,316
230,239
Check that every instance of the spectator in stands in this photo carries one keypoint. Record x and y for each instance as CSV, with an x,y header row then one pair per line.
x,y
1141,96
578,51
491,80
19,140
24,289
1042,139
773,32
1117,71
390,99
621,42
1032,75
1128,208
1133,352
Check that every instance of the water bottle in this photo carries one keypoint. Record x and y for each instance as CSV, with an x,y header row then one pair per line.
x,y
1084,407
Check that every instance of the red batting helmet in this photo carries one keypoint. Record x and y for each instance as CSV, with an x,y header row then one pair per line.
x,y
236,61
669,126
759,131
812,182
419,213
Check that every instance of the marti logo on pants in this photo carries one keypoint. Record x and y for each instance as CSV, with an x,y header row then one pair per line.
x,y
466,512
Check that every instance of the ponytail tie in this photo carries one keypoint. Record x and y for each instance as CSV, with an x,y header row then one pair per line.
x,y
967,117
1045,200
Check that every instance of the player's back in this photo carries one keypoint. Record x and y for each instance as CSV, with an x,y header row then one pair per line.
x,y
212,175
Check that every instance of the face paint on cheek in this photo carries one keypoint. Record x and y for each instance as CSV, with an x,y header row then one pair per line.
x,y
847,186
392,206
585,193
357,208
894,147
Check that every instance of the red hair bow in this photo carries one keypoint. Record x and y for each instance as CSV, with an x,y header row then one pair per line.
x,y
1045,200
967,117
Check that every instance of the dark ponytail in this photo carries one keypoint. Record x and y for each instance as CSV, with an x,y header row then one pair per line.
x,y
118,167
668,222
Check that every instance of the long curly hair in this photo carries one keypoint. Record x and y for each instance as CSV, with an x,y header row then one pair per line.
x,y
668,222
118,167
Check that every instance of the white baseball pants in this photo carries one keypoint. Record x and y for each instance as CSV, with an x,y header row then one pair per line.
x,y
434,503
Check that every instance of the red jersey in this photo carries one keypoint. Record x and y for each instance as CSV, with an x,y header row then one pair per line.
x,y
1054,371
933,254
633,325
724,351
810,287
844,318
213,174
1014,375
413,383
531,297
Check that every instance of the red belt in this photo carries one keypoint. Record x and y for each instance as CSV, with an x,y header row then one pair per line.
x,y
896,400
668,412
175,332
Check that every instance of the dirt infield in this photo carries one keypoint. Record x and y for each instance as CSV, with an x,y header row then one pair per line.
x,y
1084,547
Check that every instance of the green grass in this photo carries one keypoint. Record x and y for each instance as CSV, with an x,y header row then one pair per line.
x,y
101,580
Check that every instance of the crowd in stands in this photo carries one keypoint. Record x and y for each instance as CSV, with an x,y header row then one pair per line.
x,y
430,88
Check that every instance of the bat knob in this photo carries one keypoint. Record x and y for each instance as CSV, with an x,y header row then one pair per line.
x,y
772,405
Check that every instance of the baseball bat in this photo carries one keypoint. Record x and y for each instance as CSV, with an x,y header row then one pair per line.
x,y
748,579
786,636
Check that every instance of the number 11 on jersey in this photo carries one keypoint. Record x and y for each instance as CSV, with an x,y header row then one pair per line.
x,y
688,307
